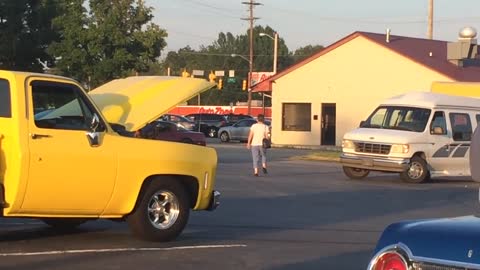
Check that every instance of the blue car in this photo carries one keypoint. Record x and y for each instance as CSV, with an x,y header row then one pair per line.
x,y
433,244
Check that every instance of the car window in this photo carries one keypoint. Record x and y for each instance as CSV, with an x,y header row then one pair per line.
x,y
461,126
5,100
60,106
439,121
243,123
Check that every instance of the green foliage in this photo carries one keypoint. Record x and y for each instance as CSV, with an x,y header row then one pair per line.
x,y
25,31
217,56
114,39
305,52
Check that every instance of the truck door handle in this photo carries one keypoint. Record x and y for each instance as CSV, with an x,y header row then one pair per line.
x,y
39,136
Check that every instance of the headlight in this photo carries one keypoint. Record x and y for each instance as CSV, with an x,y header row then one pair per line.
x,y
348,144
400,148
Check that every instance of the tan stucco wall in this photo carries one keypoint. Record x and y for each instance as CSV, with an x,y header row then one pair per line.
x,y
356,76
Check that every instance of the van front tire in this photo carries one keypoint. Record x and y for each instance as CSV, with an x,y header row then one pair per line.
x,y
417,171
355,173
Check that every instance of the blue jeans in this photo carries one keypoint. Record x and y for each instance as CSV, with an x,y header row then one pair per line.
x,y
258,154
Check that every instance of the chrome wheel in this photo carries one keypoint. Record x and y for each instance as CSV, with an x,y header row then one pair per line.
x,y
415,171
163,209
212,132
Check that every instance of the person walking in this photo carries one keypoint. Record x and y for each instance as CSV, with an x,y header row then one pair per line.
x,y
258,132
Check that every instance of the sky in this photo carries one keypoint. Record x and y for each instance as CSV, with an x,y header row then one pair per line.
x,y
310,22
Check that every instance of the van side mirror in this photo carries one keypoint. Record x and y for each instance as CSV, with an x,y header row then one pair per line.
x,y
438,131
362,123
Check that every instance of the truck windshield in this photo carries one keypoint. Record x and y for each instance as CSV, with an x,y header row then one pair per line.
x,y
399,118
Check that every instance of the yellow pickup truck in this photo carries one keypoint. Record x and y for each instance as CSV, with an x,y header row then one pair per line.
x,y
65,158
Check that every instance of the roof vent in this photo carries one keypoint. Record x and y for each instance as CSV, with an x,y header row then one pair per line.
x,y
464,51
467,33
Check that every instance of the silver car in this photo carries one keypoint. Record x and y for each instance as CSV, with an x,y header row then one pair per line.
x,y
238,131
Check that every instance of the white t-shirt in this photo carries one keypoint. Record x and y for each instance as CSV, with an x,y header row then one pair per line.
x,y
260,131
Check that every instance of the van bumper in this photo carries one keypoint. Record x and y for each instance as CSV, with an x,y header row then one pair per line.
x,y
375,163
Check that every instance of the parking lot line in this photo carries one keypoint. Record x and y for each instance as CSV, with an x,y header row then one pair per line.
x,y
79,251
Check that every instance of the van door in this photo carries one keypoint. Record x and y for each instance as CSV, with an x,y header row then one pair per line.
x,y
450,143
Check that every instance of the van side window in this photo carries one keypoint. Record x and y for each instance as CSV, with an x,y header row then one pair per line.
x,y
461,126
439,124
478,118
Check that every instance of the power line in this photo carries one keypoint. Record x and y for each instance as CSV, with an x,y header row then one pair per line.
x,y
214,9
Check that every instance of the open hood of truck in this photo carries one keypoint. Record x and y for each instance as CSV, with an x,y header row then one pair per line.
x,y
136,101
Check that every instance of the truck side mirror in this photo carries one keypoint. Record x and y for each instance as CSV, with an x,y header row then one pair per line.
x,y
93,136
94,123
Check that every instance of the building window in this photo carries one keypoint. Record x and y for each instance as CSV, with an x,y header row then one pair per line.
x,y
296,116
5,101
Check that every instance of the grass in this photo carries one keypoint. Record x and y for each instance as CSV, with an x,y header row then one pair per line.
x,y
320,155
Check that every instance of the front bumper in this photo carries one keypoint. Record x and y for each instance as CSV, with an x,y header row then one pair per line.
x,y
214,201
374,163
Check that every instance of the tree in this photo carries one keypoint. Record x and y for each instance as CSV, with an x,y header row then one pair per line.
x,y
25,31
116,38
305,52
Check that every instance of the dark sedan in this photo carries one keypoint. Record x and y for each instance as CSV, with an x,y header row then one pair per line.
x,y
168,131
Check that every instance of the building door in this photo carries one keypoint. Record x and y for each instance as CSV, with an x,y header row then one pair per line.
x,y
328,124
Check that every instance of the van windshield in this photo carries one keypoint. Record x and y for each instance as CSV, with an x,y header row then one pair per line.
x,y
400,118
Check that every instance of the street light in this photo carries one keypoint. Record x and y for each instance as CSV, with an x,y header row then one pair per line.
x,y
241,56
275,49
249,89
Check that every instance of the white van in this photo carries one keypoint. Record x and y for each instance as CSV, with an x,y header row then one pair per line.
x,y
419,135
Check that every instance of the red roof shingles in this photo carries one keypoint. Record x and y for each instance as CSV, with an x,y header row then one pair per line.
x,y
416,49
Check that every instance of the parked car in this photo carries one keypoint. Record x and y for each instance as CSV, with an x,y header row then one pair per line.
x,y
168,131
238,131
442,243
179,120
233,118
208,123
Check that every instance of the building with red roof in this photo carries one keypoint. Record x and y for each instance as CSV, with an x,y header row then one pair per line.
x,y
317,100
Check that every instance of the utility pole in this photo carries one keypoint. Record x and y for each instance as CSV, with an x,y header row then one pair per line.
x,y
430,20
251,5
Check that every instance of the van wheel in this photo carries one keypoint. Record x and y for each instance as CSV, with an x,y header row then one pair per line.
x,y
224,137
417,171
162,211
355,173
64,223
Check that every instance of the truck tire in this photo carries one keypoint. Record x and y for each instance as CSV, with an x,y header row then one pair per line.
x,y
161,212
355,173
417,171
224,137
64,223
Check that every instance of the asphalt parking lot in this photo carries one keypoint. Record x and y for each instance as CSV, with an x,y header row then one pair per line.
x,y
302,215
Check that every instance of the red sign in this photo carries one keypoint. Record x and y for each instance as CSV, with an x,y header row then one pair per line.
x,y
254,111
